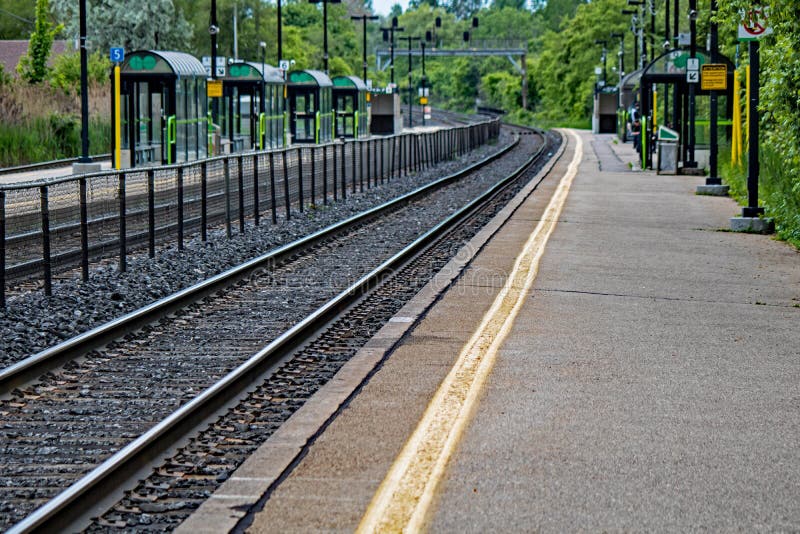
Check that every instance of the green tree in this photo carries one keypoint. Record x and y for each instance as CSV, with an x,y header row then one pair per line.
x,y
66,72
565,67
33,65
511,4
17,19
132,24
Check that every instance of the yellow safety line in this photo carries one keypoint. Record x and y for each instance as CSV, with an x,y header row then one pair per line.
x,y
405,495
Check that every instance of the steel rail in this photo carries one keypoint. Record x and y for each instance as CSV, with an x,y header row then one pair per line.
x,y
37,364
71,504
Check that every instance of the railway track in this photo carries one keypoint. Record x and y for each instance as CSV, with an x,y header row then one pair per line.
x,y
136,397
152,206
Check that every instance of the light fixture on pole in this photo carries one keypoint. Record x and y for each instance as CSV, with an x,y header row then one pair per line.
x,y
364,18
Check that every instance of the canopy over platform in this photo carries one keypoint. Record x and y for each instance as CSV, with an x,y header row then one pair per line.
x,y
161,62
309,77
349,82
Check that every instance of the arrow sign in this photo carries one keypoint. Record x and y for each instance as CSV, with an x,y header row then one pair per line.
x,y
693,76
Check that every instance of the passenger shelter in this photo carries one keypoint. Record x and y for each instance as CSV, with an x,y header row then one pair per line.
x,y
309,95
163,108
670,105
626,93
350,96
253,113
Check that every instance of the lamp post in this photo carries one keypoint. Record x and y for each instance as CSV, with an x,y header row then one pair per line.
x,y
409,39
280,32
690,161
603,57
364,18
640,31
213,30
424,80
84,88
325,29
621,53
389,32
635,32
652,7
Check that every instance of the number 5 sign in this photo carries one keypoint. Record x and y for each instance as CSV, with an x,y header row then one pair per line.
x,y
755,24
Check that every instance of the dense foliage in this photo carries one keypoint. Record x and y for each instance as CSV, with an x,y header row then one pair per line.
x,y
562,38
33,65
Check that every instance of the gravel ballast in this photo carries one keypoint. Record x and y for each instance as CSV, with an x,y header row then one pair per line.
x,y
33,322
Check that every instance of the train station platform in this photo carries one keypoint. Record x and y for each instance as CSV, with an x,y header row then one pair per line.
x,y
609,359
43,174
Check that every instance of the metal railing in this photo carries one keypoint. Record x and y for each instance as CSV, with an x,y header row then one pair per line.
x,y
66,223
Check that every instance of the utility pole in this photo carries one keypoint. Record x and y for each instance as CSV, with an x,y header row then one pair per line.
x,y
620,54
389,32
423,81
713,178
213,29
364,18
409,39
325,29
280,34
635,32
691,162
84,88
603,58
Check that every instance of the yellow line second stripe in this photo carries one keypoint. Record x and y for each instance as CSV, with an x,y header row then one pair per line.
x,y
405,495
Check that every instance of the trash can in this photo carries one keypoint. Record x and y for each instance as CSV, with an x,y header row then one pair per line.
x,y
668,142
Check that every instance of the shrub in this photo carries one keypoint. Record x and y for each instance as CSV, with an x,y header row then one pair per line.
x,y
66,72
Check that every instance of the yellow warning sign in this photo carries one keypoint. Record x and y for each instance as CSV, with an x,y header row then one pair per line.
x,y
423,100
714,77
214,88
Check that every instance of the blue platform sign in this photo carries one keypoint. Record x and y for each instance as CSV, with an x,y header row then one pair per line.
x,y
117,55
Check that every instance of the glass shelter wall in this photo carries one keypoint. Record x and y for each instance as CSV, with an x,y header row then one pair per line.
x,y
163,107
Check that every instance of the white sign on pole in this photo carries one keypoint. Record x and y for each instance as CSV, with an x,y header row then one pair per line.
x,y
693,76
693,63
755,24
283,64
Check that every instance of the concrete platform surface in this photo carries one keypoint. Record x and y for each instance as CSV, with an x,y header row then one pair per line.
x,y
651,381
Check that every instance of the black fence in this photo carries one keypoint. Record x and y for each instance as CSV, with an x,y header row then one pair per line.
x,y
65,223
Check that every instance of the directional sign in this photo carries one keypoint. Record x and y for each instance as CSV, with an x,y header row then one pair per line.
x,y
714,77
693,76
755,24
117,55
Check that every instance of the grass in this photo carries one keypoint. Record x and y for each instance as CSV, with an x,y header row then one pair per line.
x,y
776,191
41,123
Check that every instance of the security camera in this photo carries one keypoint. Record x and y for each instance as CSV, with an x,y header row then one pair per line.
x,y
666,45
213,30
693,14
292,62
